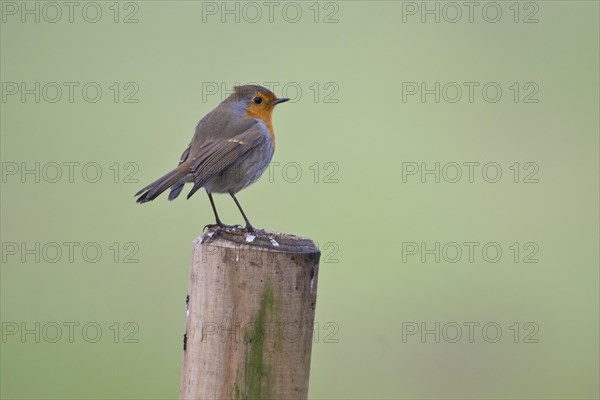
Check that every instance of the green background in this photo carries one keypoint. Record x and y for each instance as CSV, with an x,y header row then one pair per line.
x,y
367,292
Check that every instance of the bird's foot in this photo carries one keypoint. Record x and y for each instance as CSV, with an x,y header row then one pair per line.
x,y
250,229
221,226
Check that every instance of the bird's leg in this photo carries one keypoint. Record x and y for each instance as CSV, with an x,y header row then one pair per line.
x,y
219,224
212,203
249,227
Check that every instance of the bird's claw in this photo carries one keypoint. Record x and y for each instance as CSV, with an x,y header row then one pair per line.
x,y
253,230
221,226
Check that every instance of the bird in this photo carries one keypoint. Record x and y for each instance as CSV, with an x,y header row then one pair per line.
x,y
231,148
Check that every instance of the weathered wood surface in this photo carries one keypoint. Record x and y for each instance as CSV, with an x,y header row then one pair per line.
x,y
251,309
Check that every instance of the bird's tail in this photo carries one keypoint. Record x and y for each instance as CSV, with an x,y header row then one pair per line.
x,y
154,189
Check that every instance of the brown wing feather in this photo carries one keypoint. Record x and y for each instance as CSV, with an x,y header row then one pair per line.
x,y
176,189
220,155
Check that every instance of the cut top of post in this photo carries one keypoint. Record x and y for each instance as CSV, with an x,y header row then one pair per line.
x,y
272,241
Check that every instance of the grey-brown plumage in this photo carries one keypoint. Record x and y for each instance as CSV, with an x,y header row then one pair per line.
x,y
231,148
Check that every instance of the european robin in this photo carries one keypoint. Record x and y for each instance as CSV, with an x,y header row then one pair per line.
x,y
231,148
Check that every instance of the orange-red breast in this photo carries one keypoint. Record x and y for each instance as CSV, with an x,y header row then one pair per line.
x,y
231,148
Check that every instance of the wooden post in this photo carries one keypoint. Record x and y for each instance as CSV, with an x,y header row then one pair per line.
x,y
251,309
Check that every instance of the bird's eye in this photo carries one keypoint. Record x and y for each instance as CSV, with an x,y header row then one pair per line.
x,y
257,100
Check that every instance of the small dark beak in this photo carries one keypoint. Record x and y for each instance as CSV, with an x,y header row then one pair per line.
x,y
280,100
